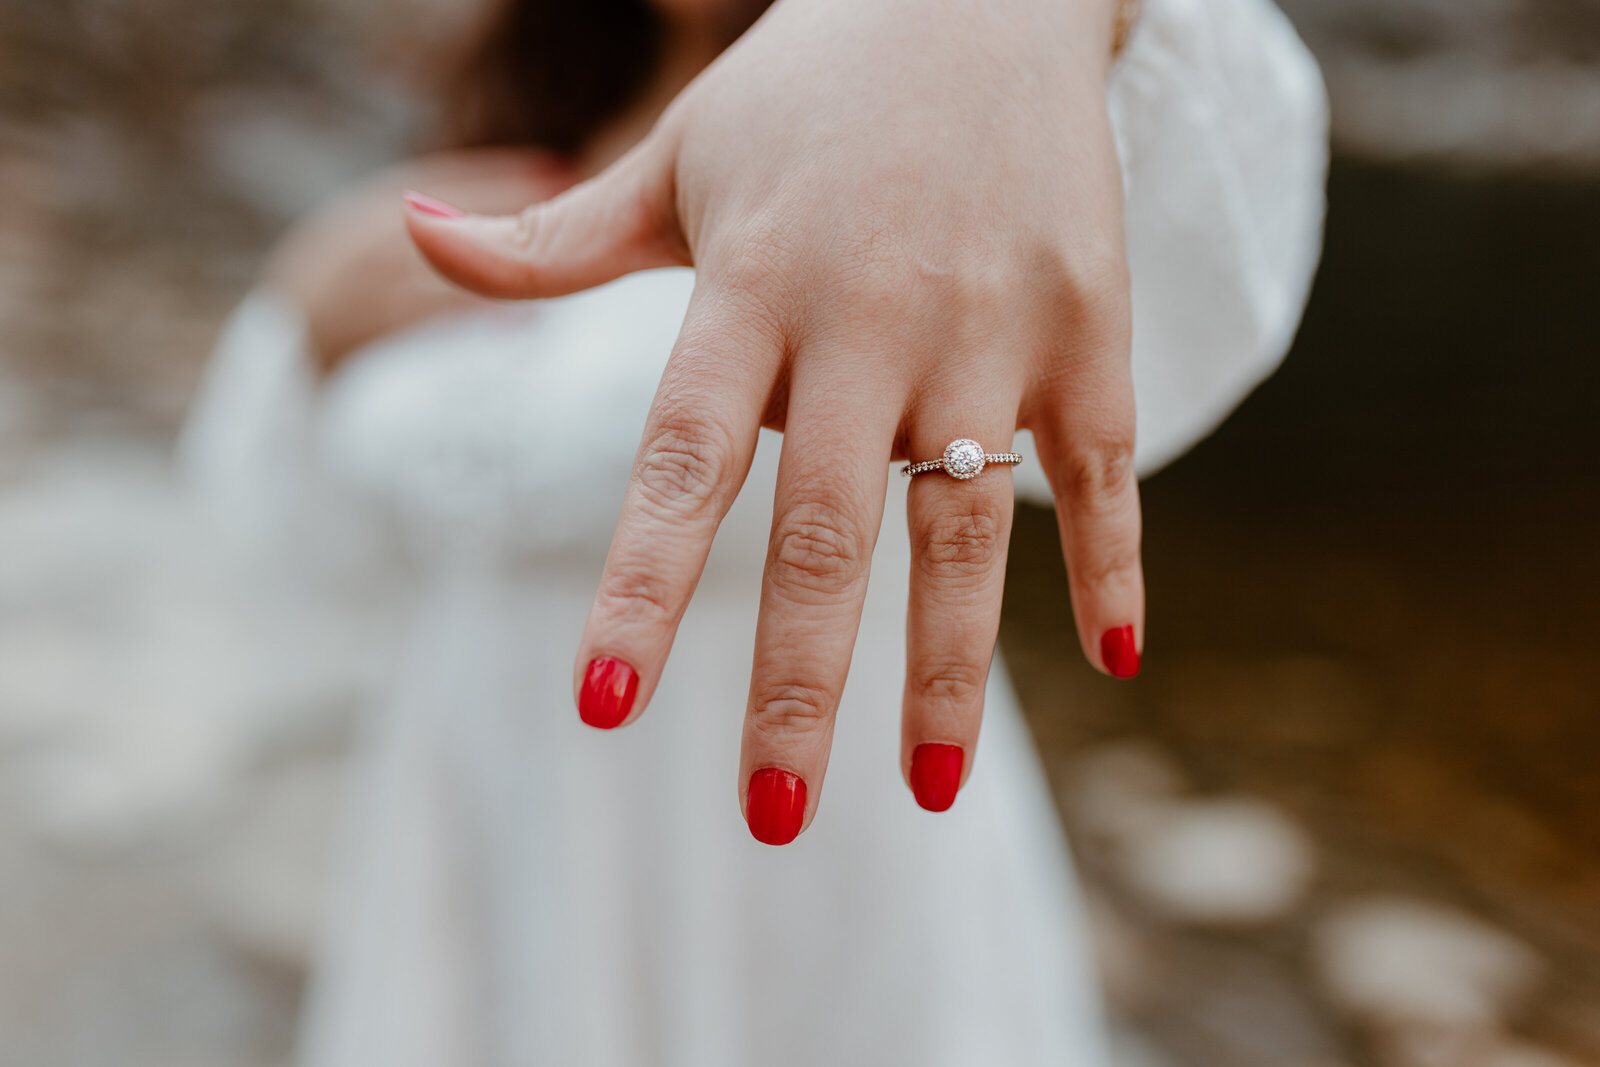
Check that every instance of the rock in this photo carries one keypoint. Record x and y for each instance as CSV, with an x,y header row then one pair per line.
x,y
1402,962
143,673
1115,789
1491,82
1518,1054
1224,862
1431,1046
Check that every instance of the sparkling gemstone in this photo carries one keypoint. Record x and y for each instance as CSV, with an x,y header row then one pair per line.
x,y
963,458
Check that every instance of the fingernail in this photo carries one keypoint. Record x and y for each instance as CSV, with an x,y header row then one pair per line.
x,y
1118,652
428,205
775,805
607,695
936,775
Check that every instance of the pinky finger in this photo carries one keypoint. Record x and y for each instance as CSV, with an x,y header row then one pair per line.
x,y
1091,472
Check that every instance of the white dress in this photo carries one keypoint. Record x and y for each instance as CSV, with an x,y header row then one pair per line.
x,y
518,889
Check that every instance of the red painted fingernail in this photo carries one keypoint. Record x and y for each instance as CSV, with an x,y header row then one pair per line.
x,y
775,805
427,205
1119,653
607,695
936,775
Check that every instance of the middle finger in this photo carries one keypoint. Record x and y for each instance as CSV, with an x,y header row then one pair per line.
x,y
827,508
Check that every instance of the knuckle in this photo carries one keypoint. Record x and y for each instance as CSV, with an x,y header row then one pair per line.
x,y
757,262
1103,275
530,236
1105,301
683,464
755,259
637,596
1093,264
984,284
963,542
881,285
954,684
818,550
786,709
1092,288
1097,472
1107,570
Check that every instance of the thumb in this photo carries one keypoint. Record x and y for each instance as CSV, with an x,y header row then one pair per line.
x,y
620,221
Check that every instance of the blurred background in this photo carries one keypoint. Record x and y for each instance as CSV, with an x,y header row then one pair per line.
x,y
1348,817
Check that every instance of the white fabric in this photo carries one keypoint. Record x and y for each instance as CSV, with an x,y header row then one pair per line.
x,y
520,890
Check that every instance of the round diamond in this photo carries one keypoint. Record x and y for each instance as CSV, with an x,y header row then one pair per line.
x,y
963,458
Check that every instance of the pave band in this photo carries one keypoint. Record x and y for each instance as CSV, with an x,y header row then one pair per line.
x,y
963,458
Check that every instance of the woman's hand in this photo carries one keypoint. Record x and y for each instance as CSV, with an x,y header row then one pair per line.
x,y
905,218
354,272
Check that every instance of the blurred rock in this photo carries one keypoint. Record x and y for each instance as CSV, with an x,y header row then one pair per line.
x,y
1432,1046
1470,82
1230,862
142,674
1398,962
1517,1054
1116,789
1445,1046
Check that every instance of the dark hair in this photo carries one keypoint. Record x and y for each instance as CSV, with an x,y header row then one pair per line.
x,y
549,73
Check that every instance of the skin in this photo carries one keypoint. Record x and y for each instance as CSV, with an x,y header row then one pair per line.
x,y
354,272
905,218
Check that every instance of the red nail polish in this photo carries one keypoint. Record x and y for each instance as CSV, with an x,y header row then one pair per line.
x,y
607,695
775,805
936,775
1119,653
427,205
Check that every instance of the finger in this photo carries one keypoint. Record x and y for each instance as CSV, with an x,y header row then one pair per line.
x,y
960,530
497,182
623,220
1085,438
473,178
697,446
827,509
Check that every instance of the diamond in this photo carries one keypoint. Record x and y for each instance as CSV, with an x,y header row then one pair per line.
x,y
963,458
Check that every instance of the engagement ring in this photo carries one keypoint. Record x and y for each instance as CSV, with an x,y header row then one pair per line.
x,y
963,458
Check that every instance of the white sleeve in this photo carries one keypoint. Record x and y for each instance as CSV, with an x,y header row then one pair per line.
x,y
248,451
244,449
1222,127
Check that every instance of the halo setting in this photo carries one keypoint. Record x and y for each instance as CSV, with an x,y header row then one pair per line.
x,y
963,458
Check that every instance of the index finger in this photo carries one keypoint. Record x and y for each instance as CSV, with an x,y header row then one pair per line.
x,y
697,447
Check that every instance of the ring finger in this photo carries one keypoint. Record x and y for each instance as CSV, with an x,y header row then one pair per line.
x,y
960,529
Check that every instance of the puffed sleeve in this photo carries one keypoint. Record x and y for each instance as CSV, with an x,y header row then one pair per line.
x,y
248,449
1222,127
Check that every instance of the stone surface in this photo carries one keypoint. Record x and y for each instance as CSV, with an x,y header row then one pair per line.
x,y
1223,862
1397,961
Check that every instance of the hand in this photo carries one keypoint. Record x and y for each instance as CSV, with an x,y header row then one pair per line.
x,y
354,272
905,219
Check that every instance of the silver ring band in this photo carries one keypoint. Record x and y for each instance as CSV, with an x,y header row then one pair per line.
x,y
963,458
